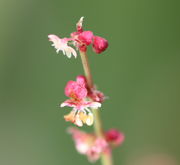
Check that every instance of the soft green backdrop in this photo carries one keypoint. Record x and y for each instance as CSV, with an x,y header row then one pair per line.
x,y
140,72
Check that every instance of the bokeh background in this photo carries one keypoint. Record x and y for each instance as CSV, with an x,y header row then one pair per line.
x,y
140,72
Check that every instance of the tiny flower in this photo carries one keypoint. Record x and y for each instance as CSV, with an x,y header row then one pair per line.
x,y
80,39
88,144
80,118
61,44
82,140
100,146
81,112
86,37
81,105
99,44
96,95
114,137
75,90
93,93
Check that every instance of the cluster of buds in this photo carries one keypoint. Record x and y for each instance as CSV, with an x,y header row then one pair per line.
x,y
82,100
80,39
92,146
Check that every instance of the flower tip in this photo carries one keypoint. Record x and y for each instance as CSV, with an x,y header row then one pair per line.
x,y
79,25
80,21
52,37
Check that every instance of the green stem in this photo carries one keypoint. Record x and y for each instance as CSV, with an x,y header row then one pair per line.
x,y
106,158
87,70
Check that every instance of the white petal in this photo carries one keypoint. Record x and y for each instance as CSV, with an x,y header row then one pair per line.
x,y
63,105
82,147
95,105
68,53
74,53
79,23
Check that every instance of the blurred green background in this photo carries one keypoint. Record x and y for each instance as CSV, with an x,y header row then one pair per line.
x,y
140,72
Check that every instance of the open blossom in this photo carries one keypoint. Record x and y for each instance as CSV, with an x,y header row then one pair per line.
x,y
62,44
81,112
88,144
80,39
92,146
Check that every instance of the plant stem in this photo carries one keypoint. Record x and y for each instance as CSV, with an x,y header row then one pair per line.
x,y
86,68
106,158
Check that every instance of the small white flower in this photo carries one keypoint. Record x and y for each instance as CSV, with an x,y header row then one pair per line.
x,y
62,44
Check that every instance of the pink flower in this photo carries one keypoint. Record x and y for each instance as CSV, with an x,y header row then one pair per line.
x,y
82,140
100,146
114,137
81,80
96,95
88,144
81,112
81,105
86,37
99,44
80,39
61,44
75,90
93,93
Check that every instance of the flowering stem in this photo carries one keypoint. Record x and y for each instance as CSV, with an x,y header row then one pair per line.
x,y
106,158
86,68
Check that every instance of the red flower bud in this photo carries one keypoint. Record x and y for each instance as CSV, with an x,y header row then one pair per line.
x,y
114,137
99,44
86,37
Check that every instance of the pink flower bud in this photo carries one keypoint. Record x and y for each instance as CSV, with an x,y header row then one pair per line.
x,y
99,44
81,80
96,95
114,137
75,90
86,37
